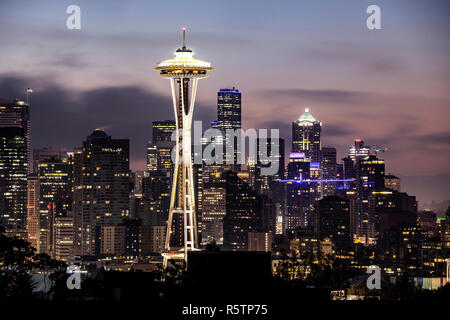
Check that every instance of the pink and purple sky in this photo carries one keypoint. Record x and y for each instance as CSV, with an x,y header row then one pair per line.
x,y
389,87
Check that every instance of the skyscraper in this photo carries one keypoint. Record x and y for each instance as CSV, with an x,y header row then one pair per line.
x,y
391,208
63,238
55,200
329,166
14,165
162,140
43,154
264,159
392,182
270,185
358,150
33,211
332,220
306,133
242,213
369,178
162,131
229,109
152,157
101,188
299,194
213,211
156,199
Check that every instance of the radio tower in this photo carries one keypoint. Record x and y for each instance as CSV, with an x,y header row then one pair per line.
x,y
183,71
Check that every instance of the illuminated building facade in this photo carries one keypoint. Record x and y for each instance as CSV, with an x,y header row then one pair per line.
x,y
369,178
401,247
305,243
112,240
300,196
162,140
229,108
55,200
101,188
329,168
392,182
14,165
132,237
183,71
445,231
63,231
427,222
211,193
348,172
152,157
358,150
306,132
152,239
156,198
332,220
260,241
243,213
43,154
33,211
272,154
213,212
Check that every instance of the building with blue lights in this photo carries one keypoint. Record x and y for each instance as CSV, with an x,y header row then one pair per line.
x,y
306,136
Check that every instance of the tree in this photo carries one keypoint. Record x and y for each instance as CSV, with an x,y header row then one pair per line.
x,y
17,260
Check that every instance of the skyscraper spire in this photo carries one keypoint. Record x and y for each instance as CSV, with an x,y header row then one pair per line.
x,y
184,37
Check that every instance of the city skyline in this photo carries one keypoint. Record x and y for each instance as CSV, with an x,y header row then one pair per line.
x,y
314,166
395,91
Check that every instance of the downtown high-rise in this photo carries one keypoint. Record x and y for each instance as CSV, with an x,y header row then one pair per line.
x,y
210,182
55,201
229,108
162,131
306,133
14,165
101,189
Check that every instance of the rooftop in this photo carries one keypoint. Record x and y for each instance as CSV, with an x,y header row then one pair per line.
x,y
306,116
183,62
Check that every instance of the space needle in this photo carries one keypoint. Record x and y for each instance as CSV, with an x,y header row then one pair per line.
x,y
183,71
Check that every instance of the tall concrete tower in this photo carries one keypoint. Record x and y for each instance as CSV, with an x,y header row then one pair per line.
x,y
183,71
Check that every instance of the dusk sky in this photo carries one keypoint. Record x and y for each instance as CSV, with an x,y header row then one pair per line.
x,y
389,87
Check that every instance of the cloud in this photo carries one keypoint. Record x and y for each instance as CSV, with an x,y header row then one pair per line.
x,y
321,95
335,130
385,65
62,118
437,138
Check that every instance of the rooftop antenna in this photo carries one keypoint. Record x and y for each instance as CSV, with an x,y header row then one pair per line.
x,y
184,37
29,90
